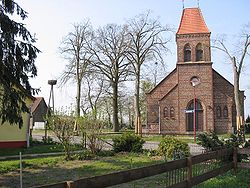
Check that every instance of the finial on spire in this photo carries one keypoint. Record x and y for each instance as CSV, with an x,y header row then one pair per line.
x,y
183,4
198,3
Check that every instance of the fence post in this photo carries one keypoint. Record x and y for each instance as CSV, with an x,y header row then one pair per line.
x,y
21,170
189,172
235,159
69,184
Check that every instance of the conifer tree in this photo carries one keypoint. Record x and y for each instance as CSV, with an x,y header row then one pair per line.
x,y
17,57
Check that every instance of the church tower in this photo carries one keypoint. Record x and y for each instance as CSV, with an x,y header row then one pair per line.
x,y
193,38
195,73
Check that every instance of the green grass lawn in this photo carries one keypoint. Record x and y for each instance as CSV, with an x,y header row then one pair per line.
x,y
46,170
229,180
185,138
37,148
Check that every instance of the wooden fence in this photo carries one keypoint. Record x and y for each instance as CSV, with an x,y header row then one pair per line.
x,y
243,164
179,173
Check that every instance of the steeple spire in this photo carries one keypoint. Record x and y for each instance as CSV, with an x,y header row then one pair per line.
x,y
192,22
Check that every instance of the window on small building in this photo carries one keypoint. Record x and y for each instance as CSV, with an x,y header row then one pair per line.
x,y
187,53
218,112
199,52
225,112
172,113
165,112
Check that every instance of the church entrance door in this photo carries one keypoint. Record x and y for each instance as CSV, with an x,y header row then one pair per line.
x,y
198,116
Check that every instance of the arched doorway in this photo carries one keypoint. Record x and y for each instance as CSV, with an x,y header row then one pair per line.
x,y
198,116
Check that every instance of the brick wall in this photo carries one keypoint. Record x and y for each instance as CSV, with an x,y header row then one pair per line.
x,y
202,92
223,97
193,40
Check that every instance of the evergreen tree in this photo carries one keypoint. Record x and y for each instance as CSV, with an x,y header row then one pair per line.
x,y
17,56
248,119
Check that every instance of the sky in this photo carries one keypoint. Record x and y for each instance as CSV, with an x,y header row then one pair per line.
x,y
51,20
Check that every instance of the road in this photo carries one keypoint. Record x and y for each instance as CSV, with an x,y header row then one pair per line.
x,y
195,149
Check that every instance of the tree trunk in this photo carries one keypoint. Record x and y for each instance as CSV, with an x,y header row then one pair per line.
x,y
239,115
78,99
121,117
115,107
138,128
78,107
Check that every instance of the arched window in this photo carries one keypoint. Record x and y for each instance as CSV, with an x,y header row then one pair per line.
x,y
165,112
225,112
199,52
187,53
218,112
172,113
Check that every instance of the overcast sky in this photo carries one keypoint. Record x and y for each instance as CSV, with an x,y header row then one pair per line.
x,y
51,20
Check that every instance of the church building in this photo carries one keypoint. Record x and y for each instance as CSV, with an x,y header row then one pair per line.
x,y
193,97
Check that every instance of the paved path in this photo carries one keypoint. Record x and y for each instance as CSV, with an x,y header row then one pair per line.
x,y
195,149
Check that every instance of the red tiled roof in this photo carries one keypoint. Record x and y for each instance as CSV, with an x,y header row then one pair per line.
x,y
192,22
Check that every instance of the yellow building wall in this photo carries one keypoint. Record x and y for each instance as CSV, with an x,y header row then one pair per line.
x,y
12,132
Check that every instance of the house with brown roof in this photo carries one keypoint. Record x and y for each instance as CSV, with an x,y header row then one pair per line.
x,y
193,97
38,113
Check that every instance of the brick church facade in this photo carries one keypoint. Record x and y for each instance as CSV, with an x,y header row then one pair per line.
x,y
193,96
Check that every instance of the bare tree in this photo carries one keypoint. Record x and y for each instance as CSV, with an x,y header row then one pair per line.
x,y
74,50
237,59
146,86
108,51
93,89
147,44
105,109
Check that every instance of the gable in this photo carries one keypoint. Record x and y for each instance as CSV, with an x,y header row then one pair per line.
x,y
222,85
38,101
169,92
168,80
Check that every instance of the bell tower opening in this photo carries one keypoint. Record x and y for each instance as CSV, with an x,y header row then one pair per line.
x,y
187,53
199,52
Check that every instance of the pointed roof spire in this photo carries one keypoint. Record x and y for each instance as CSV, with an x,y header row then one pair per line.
x,y
192,21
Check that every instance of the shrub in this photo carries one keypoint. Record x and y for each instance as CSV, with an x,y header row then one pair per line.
x,y
85,155
63,128
209,141
247,126
128,142
150,152
173,148
91,129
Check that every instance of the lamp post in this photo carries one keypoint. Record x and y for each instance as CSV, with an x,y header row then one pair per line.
x,y
194,82
155,73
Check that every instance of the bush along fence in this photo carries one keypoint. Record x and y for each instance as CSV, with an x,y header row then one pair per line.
x,y
179,173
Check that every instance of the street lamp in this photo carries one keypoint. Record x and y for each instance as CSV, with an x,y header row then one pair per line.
x,y
194,82
155,73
